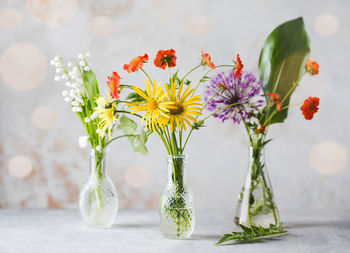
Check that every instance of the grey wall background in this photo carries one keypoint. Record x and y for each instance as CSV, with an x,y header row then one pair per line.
x,y
41,163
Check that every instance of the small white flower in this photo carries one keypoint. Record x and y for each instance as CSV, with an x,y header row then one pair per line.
x,y
87,54
69,84
80,56
82,63
64,77
98,130
58,64
78,109
65,93
87,120
86,68
83,141
75,103
52,62
98,148
56,58
57,78
67,99
70,64
59,70
72,93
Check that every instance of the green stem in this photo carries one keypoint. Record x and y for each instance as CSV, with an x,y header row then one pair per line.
x,y
190,72
126,112
118,137
146,74
200,80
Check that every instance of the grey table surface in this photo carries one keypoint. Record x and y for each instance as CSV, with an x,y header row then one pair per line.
x,y
36,231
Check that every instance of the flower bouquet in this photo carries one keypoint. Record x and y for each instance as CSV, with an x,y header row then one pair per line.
x,y
172,111
261,103
100,117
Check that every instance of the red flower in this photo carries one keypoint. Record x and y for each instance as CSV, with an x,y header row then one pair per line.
x,y
238,67
165,58
311,67
276,99
309,108
113,84
206,57
136,63
261,129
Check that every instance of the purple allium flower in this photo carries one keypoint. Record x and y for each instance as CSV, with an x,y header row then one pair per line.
x,y
246,89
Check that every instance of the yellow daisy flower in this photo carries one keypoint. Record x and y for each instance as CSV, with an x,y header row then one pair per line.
x,y
106,116
185,106
154,106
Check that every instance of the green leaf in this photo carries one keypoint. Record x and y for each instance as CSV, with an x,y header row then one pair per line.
x,y
91,85
137,141
134,97
252,233
282,60
128,126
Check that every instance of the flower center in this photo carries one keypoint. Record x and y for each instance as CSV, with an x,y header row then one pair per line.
x,y
110,113
152,104
179,109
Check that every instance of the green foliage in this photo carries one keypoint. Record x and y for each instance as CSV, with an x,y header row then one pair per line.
x,y
187,82
252,233
91,85
282,61
128,125
137,141
175,79
134,97
198,125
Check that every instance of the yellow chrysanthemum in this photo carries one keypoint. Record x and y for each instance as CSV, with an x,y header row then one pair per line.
x,y
154,106
106,117
185,106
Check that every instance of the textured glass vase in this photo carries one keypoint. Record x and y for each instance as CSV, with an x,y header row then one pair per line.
x,y
256,205
176,206
98,201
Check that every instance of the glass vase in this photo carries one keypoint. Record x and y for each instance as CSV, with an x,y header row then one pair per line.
x,y
256,205
98,202
177,219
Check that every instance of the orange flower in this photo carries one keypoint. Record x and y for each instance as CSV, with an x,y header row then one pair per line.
x,y
311,67
136,63
275,99
113,84
238,67
165,58
222,86
206,57
261,129
309,108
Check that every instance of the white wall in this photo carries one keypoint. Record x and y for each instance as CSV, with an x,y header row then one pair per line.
x,y
307,161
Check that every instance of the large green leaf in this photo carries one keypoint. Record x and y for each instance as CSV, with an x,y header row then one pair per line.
x,y
137,141
91,85
282,60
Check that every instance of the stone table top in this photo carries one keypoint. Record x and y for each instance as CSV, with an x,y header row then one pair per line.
x,y
51,231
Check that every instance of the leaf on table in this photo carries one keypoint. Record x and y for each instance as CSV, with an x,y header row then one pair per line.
x,y
252,233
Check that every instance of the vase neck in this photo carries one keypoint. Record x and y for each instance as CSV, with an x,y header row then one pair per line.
x,y
177,170
256,154
97,163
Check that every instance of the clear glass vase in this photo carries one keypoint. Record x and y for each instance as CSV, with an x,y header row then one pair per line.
x,y
177,219
256,205
98,202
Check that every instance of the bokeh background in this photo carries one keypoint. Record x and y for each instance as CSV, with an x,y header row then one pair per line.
x,y
41,163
